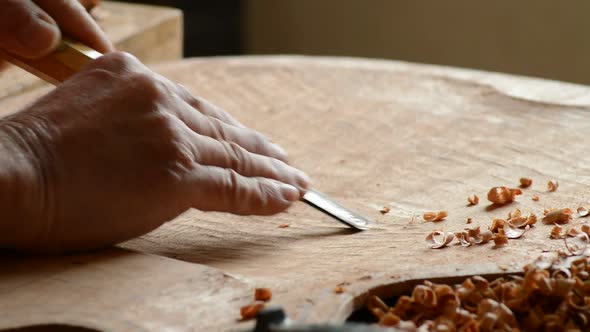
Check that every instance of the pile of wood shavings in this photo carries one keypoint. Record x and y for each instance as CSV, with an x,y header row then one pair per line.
x,y
549,297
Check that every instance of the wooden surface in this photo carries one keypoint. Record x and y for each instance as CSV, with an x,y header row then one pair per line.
x,y
370,133
151,33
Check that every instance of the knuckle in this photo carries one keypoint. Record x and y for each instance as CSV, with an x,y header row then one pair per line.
x,y
148,87
118,62
218,129
236,157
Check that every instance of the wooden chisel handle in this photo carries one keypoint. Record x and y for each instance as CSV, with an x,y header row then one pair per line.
x,y
66,60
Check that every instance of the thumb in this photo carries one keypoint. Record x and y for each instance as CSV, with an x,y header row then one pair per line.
x,y
27,30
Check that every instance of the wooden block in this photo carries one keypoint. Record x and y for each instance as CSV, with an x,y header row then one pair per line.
x,y
151,33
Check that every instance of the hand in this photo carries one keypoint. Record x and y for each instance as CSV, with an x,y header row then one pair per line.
x,y
33,28
117,150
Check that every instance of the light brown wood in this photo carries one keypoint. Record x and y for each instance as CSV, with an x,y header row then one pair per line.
x,y
151,33
370,133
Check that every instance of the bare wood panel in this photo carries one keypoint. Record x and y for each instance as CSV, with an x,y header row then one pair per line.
x,y
151,33
370,133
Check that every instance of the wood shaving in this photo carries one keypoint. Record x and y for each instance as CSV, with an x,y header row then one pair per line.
x,y
250,311
585,229
484,237
284,225
469,220
582,211
543,299
503,195
439,239
435,216
561,216
556,232
577,245
339,289
514,232
473,200
552,185
525,182
385,210
262,294
572,232
535,198
514,214
500,240
522,221
496,225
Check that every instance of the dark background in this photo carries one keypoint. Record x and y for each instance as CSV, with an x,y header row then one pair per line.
x,y
210,27
542,38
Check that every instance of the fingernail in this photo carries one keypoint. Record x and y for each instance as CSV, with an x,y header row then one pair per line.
x,y
39,36
289,192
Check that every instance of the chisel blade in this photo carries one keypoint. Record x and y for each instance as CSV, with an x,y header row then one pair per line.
x,y
335,210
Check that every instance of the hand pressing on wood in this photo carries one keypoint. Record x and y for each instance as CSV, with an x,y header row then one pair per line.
x,y
33,28
117,150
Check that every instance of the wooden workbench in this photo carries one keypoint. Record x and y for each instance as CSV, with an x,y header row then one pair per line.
x,y
371,134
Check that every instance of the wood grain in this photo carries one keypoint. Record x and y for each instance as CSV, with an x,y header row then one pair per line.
x,y
370,133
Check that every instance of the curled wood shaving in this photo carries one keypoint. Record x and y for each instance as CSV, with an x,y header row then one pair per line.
x,y
385,210
496,225
284,226
561,216
512,232
484,237
473,200
552,185
500,239
585,229
439,239
572,232
503,195
582,211
472,236
578,244
514,214
522,221
262,294
250,311
339,289
464,239
469,220
535,198
525,182
377,306
435,216
556,232
544,299
389,319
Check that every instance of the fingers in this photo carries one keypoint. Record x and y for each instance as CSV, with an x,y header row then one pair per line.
x,y
26,29
211,152
210,188
249,139
75,22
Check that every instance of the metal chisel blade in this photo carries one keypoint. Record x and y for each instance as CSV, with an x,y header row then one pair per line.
x,y
335,210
